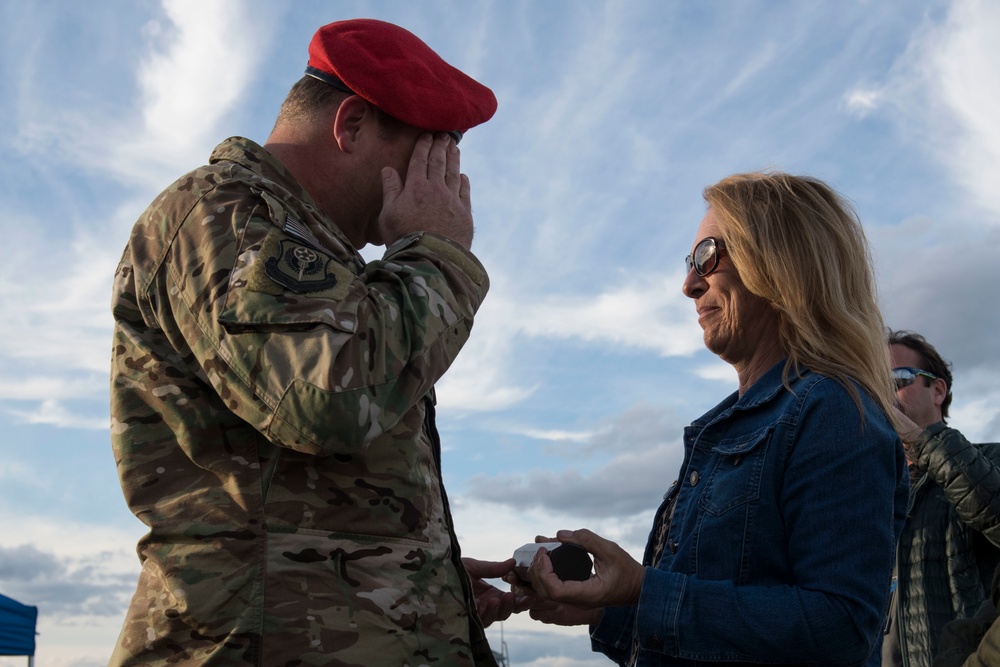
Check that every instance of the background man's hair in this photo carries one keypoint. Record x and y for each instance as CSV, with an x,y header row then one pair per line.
x,y
930,360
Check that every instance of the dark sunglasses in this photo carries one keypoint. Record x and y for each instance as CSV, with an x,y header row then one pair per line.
x,y
905,376
705,258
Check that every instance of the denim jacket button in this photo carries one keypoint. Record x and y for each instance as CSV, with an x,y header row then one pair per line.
x,y
693,478
672,545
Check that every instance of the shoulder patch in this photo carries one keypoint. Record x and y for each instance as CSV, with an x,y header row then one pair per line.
x,y
287,263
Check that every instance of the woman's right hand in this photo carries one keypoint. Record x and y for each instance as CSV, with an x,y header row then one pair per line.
x,y
616,582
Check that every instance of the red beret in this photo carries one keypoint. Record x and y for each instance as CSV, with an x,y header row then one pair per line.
x,y
394,70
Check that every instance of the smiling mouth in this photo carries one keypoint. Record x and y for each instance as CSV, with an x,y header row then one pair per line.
x,y
702,312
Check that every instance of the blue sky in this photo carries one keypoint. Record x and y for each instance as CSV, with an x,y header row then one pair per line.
x,y
565,409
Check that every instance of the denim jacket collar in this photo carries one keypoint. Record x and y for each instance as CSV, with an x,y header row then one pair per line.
x,y
760,392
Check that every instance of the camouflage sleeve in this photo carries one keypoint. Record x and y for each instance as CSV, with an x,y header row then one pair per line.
x,y
319,356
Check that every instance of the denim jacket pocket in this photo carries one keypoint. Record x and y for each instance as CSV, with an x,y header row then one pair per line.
x,y
736,476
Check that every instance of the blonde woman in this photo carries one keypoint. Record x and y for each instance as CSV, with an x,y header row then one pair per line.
x,y
776,544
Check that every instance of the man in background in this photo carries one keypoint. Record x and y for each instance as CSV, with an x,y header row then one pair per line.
x,y
272,394
948,549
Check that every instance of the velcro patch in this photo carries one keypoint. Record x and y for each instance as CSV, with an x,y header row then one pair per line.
x,y
456,256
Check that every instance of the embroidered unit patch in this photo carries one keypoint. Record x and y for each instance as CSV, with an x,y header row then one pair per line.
x,y
296,266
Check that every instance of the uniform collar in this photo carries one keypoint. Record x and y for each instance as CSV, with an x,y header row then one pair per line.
x,y
275,177
252,156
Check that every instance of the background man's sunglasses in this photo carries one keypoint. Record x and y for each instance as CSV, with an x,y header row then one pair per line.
x,y
905,376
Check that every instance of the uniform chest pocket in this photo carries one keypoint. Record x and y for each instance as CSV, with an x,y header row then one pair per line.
x,y
736,477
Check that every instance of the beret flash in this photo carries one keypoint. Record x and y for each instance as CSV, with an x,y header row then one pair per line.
x,y
397,72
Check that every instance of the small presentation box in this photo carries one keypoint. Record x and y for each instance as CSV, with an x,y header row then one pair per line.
x,y
570,562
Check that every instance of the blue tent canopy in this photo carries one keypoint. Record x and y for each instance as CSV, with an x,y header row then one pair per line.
x,y
17,627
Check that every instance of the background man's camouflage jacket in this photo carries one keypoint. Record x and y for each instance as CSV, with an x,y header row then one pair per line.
x,y
273,425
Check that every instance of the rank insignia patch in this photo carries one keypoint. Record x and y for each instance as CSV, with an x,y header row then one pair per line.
x,y
296,266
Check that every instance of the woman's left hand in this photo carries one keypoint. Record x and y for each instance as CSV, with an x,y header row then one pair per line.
x,y
617,578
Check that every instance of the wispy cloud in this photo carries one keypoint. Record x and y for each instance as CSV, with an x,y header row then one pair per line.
x,y
647,314
53,413
863,100
190,81
586,187
756,63
651,316
644,450
945,90
555,436
719,371
963,69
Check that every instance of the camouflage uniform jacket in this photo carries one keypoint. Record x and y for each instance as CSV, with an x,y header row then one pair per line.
x,y
273,426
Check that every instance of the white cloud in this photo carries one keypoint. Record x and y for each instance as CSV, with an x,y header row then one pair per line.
x,y
622,470
198,68
42,555
630,486
720,372
648,314
599,138
554,436
863,100
70,328
57,346
15,471
54,413
481,379
53,387
201,59
976,417
963,64
79,575
947,88
652,315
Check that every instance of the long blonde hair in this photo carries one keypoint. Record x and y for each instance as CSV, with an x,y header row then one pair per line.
x,y
798,244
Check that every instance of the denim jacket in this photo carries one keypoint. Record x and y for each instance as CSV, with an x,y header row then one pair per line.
x,y
781,544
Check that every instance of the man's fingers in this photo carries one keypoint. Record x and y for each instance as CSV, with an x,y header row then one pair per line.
x,y
465,192
391,185
453,168
437,157
420,157
487,569
422,200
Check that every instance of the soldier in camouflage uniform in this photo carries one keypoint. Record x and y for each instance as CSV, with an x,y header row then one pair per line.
x,y
272,394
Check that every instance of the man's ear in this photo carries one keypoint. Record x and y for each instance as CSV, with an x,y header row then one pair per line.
x,y
939,389
352,116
